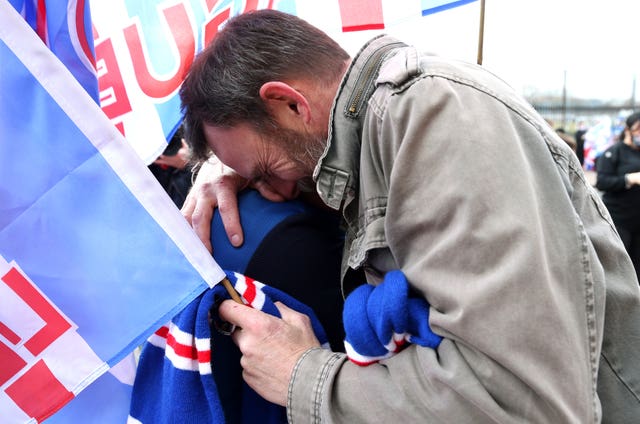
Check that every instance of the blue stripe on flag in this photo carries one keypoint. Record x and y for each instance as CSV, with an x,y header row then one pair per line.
x,y
434,6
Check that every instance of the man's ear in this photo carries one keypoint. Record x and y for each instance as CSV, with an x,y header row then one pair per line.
x,y
286,104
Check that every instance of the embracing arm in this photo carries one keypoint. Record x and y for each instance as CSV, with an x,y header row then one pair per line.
x,y
217,186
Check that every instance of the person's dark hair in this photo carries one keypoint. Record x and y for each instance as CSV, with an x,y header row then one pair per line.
x,y
223,85
175,143
630,122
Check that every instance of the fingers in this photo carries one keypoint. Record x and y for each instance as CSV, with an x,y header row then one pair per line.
x,y
188,206
215,186
240,315
160,160
175,161
228,207
294,327
270,346
201,220
299,321
198,209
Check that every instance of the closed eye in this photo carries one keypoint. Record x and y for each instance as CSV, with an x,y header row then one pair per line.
x,y
261,172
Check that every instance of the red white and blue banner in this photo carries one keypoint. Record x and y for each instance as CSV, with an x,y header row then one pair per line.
x,y
144,48
94,256
143,51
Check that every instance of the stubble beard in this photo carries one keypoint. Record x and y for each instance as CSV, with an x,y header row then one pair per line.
x,y
303,149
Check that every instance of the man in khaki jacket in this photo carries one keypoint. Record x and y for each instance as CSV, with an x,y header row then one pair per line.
x,y
440,170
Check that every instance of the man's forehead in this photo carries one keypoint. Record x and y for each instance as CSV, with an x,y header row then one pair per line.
x,y
217,136
234,146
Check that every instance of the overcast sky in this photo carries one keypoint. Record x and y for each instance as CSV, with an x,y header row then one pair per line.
x,y
529,43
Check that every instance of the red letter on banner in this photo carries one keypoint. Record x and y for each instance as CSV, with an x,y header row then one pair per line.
x,y
113,93
182,33
55,323
211,28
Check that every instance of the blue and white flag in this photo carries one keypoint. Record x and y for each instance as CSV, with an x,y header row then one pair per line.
x,y
94,256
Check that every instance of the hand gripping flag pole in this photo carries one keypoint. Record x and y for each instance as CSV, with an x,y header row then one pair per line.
x,y
232,292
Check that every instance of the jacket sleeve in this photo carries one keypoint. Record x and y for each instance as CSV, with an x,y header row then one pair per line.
x,y
609,178
479,218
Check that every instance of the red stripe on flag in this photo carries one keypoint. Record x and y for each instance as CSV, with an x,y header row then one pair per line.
x,y
358,15
38,392
55,323
82,32
9,334
41,21
362,27
11,362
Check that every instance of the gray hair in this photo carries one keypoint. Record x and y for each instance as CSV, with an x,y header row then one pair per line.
x,y
222,87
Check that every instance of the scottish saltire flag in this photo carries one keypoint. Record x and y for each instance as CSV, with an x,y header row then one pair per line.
x,y
94,256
